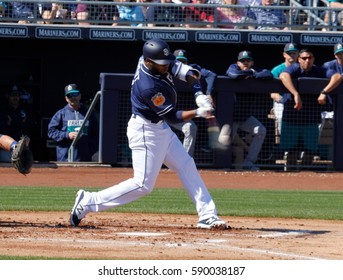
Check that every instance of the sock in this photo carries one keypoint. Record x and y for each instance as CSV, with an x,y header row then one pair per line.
x,y
14,143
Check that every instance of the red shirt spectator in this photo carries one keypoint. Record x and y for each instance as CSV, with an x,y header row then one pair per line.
x,y
198,16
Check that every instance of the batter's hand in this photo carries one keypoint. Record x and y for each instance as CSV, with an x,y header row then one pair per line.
x,y
204,112
203,100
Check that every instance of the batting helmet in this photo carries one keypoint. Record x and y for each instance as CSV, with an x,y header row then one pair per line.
x,y
158,51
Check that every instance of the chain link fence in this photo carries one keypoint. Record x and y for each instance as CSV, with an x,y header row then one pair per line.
x,y
278,15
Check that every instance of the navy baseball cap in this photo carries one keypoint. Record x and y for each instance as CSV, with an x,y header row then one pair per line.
x,y
338,48
291,47
72,88
245,55
181,55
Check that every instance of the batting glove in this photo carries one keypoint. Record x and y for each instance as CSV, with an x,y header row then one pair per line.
x,y
204,112
203,100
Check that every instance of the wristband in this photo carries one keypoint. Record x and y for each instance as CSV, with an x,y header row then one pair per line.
x,y
323,92
196,87
199,92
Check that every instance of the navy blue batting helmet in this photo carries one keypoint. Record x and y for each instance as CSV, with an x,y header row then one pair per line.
x,y
158,51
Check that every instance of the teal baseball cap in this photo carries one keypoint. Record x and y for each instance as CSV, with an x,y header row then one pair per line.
x,y
245,55
181,55
338,48
72,88
291,47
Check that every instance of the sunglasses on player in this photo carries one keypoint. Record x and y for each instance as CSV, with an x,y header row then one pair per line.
x,y
72,94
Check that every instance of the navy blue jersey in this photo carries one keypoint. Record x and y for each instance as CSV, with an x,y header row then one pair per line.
x,y
67,120
332,67
245,104
310,113
234,72
23,121
296,71
154,96
207,75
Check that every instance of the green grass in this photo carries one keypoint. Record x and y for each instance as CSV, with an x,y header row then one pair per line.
x,y
230,202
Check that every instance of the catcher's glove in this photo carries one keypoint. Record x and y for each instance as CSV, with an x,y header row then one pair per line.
x,y
22,158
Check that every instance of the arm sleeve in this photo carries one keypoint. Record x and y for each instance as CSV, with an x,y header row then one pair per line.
x,y
173,117
292,69
233,72
55,126
276,71
210,77
263,74
181,71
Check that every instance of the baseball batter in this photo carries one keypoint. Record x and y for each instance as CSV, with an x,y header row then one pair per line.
x,y
153,143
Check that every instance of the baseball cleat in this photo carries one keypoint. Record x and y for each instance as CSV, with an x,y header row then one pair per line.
x,y
248,165
78,211
212,223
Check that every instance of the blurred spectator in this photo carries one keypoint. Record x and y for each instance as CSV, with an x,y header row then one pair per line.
x,y
228,16
48,12
82,14
3,9
22,11
243,119
130,14
105,14
189,128
249,4
65,125
145,9
232,14
74,11
171,15
267,18
198,16
337,5
300,119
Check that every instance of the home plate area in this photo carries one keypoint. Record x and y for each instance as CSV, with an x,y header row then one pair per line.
x,y
175,237
140,236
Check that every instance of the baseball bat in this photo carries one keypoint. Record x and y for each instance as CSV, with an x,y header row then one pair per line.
x,y
217,138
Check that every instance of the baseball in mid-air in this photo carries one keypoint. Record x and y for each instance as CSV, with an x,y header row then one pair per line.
x,y
224,137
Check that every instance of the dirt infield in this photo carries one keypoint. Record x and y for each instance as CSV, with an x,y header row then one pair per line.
x,y
145,236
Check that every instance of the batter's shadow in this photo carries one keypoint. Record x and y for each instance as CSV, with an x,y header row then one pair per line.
x,y
14,224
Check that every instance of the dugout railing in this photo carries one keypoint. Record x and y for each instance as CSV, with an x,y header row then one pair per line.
x,y
115,111
314,16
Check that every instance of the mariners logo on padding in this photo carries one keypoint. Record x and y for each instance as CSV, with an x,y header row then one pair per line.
x,y
158,99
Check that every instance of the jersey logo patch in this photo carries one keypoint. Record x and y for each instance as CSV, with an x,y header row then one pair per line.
x,y
158,99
